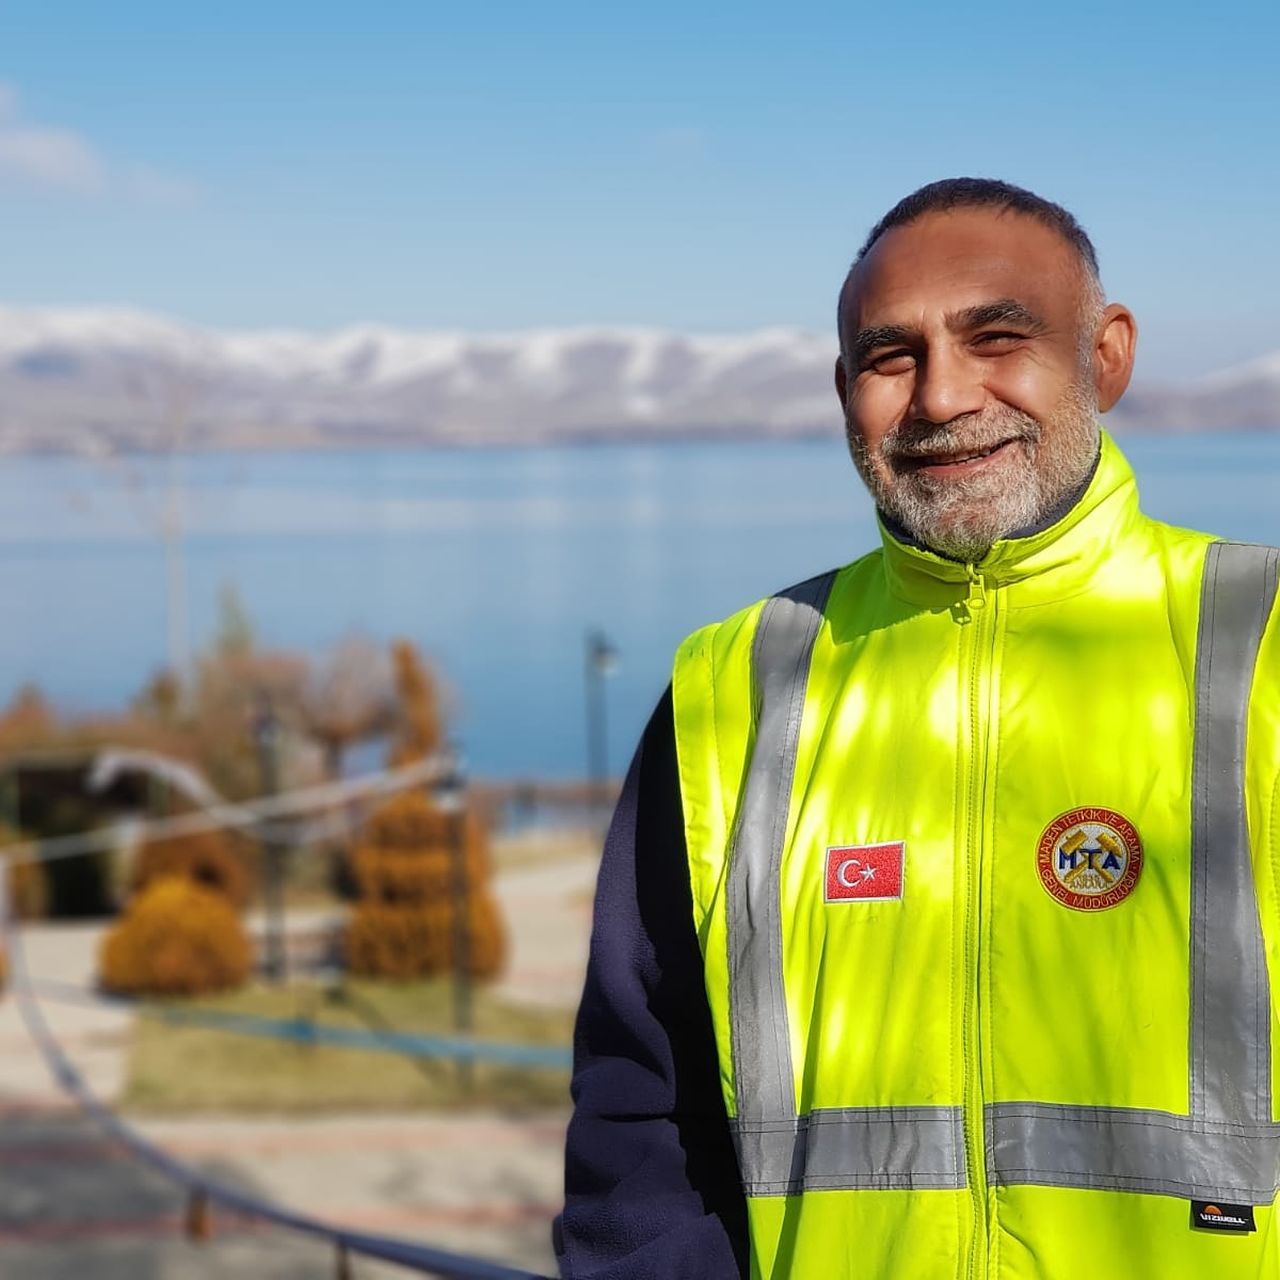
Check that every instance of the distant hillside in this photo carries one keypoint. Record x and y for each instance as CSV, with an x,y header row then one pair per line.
x,y
97,380
1247,395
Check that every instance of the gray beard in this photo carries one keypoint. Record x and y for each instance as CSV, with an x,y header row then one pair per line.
x,y
961,519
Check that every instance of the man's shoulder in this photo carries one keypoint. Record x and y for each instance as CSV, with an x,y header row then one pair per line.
x,y
809,592
1180,542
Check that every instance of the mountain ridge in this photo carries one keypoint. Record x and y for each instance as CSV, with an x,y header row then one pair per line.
x,y
89,380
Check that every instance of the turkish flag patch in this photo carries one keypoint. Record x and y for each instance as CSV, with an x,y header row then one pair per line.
x,y
865,872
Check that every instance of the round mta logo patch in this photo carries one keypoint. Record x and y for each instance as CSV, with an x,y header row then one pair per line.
x,y
1089,859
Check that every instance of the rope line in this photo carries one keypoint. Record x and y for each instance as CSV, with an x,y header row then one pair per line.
x,y
249,814
304,1031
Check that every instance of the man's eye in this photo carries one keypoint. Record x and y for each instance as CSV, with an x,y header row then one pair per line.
x,y
891,362
998,340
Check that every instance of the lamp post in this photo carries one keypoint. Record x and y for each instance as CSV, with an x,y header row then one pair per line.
x,y
268,735
450,794
600,661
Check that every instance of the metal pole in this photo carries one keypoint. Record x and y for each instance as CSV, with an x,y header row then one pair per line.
x,y
173,534
267,731
342,1263
600,659
198,1225
451,799
594,691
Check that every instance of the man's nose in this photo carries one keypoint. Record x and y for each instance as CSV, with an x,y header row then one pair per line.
x,y
946,386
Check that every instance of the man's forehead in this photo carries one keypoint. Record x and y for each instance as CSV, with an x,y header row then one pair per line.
x,y
949,261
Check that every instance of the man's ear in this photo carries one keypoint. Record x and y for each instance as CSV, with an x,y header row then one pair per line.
x,y
1113,352
842,382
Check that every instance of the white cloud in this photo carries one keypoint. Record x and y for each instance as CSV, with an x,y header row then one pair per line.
x,y
49,157
40,155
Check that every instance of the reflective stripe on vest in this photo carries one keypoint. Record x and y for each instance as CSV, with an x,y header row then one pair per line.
x,y
1226,1147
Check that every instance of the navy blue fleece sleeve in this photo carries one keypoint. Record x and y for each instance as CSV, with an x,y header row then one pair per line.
x,y
651,1182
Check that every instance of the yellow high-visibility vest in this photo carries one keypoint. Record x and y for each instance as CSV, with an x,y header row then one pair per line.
x,y
984,867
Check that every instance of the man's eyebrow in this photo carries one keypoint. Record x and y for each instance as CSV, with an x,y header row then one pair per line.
x,y
1002,311
885,335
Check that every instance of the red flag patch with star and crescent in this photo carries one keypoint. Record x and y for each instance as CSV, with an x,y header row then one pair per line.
x,y
865,872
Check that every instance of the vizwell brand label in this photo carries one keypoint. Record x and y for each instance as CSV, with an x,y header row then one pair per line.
x,y
1215,1215
865,872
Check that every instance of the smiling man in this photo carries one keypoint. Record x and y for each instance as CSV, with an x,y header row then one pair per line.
x,y
936,926
976,351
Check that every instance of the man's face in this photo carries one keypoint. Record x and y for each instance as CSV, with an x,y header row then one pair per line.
x,y
967,375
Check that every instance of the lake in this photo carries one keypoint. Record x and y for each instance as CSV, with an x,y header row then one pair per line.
x,y
494,562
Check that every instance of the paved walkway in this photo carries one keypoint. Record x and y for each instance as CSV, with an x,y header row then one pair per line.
x,y
96,1036
548,910
73,1205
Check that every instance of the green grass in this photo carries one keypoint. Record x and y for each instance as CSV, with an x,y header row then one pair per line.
x,y
178,1069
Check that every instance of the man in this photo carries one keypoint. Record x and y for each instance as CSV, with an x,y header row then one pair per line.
x,y
934,925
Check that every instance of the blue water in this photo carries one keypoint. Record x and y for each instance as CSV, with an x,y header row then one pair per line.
x,y
494,562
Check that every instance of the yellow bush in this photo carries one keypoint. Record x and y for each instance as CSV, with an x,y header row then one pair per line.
x,y
408,821
206,858
403,868
420,729
414,876
417,942
176,938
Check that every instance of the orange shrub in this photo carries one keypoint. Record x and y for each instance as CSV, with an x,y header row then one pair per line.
x,y
403,869
420,729
176,938
205,858
408,821
403,943
421,875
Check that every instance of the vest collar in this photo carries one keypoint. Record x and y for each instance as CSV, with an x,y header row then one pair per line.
x,y
1051,563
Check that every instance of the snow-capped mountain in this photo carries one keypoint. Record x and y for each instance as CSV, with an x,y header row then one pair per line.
x,y
1245,395
90,380
76,379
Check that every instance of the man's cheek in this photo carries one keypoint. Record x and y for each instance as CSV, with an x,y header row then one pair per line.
x,y
874,410
1029,385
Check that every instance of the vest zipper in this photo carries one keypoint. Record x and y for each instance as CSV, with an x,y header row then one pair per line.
x,y
979,607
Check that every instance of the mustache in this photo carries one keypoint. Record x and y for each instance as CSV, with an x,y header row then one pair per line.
x,y
967,433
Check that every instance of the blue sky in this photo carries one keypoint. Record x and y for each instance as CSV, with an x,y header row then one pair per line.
x,y
698,167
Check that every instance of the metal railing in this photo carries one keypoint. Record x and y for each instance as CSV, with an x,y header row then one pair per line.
x,y
202,1191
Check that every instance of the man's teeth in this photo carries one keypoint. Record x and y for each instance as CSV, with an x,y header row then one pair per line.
x,y
946,459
